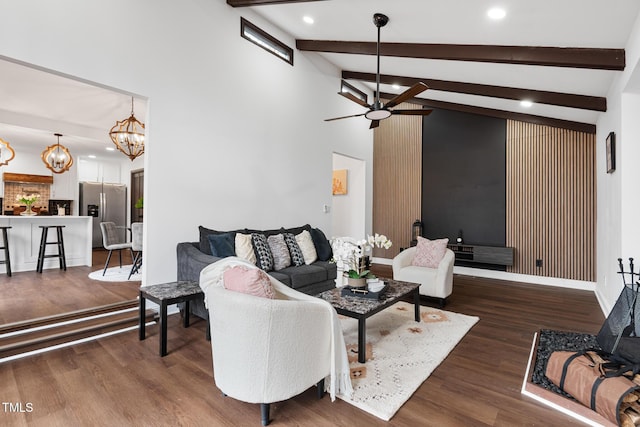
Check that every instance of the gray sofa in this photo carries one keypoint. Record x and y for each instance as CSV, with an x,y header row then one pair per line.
x,y
310,279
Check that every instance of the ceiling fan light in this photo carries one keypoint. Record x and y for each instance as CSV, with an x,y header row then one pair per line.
x,y
378,114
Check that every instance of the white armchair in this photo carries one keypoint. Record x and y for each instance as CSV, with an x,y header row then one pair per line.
x,y
434,282
269,350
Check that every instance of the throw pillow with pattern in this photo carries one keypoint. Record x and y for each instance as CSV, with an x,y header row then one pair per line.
x,y
429,253
297,258
264,258
280,252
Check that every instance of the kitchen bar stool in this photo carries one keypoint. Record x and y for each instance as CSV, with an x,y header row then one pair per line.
x,y
5,246
44,243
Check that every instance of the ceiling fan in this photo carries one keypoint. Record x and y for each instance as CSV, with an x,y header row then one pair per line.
x,y
378,111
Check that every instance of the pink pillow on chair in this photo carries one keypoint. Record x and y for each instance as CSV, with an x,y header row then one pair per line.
x,y
429,253
251,281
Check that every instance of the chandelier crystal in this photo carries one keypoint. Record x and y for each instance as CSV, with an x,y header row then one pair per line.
x,y
128,136
57,157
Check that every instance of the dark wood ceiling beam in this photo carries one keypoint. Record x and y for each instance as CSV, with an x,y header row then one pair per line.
x,y
529,118
585,102
245,3
574,57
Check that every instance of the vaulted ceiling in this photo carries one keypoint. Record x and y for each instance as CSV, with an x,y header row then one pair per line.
x,y
560,55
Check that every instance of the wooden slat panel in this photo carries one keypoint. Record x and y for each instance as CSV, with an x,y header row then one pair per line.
x,y
551,201
397,186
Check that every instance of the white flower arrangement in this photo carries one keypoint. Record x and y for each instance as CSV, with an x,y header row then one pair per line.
x,y
27,199
348,253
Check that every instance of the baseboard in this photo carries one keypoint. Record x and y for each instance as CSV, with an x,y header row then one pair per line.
x,y
513,277
526,278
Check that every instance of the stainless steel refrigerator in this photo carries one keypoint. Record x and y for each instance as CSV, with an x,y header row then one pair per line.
x,y
104,202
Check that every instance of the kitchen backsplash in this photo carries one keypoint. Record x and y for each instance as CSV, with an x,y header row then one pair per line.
x,y
12,189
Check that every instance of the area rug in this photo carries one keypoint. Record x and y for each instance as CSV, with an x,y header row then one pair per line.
x,y
116,274
401,354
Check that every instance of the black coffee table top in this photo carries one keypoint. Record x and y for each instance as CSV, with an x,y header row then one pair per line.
x,y
358,305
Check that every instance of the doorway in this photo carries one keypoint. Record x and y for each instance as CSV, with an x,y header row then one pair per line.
x,y
349,209
137,195
83,112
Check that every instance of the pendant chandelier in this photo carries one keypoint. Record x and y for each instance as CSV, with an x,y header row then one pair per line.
x,y
128,136
57,157
6,152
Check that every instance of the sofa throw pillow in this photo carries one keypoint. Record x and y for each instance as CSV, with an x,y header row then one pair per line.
x,y
305,242
204,233
297,258
323,247
222,245
250,281
205,246
264,258
280,252
429,253
244,248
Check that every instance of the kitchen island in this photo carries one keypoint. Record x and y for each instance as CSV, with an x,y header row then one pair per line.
x,y
24,240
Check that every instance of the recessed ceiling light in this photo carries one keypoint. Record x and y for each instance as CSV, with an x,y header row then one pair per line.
x,y
110,149
309,20
395,86
496,13
91,156
526,103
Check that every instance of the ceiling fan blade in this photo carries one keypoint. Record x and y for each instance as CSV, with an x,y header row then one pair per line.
x,y
407,94
374,124
412,112
354,99
344,117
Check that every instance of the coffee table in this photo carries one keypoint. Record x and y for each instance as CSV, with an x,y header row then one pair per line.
x,y
362,308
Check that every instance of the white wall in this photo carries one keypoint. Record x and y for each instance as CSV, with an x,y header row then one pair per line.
x,y
349,210
231,129
618,233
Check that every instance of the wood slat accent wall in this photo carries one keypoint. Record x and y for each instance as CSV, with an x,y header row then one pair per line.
x,y
551,201
397,175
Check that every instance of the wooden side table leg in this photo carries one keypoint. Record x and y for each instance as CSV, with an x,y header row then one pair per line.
x,y
362,341
163,329
141,311
416,303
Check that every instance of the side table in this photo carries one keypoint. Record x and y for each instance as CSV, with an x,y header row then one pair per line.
x,y
164,295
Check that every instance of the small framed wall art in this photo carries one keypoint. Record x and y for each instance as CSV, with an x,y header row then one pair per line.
x,y
611,152
339,182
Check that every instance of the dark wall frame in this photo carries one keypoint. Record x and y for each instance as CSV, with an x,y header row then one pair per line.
x,y
276,45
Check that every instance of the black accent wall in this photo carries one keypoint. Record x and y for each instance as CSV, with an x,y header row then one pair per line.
x,y
464,177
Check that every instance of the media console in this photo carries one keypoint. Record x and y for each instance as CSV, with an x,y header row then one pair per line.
x,y
493,255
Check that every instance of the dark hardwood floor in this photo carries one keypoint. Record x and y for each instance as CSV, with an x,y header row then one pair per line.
x,y
121,381
28,295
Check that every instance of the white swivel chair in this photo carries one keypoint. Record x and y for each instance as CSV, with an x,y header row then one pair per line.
x,y
113,239
434,282
268,350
